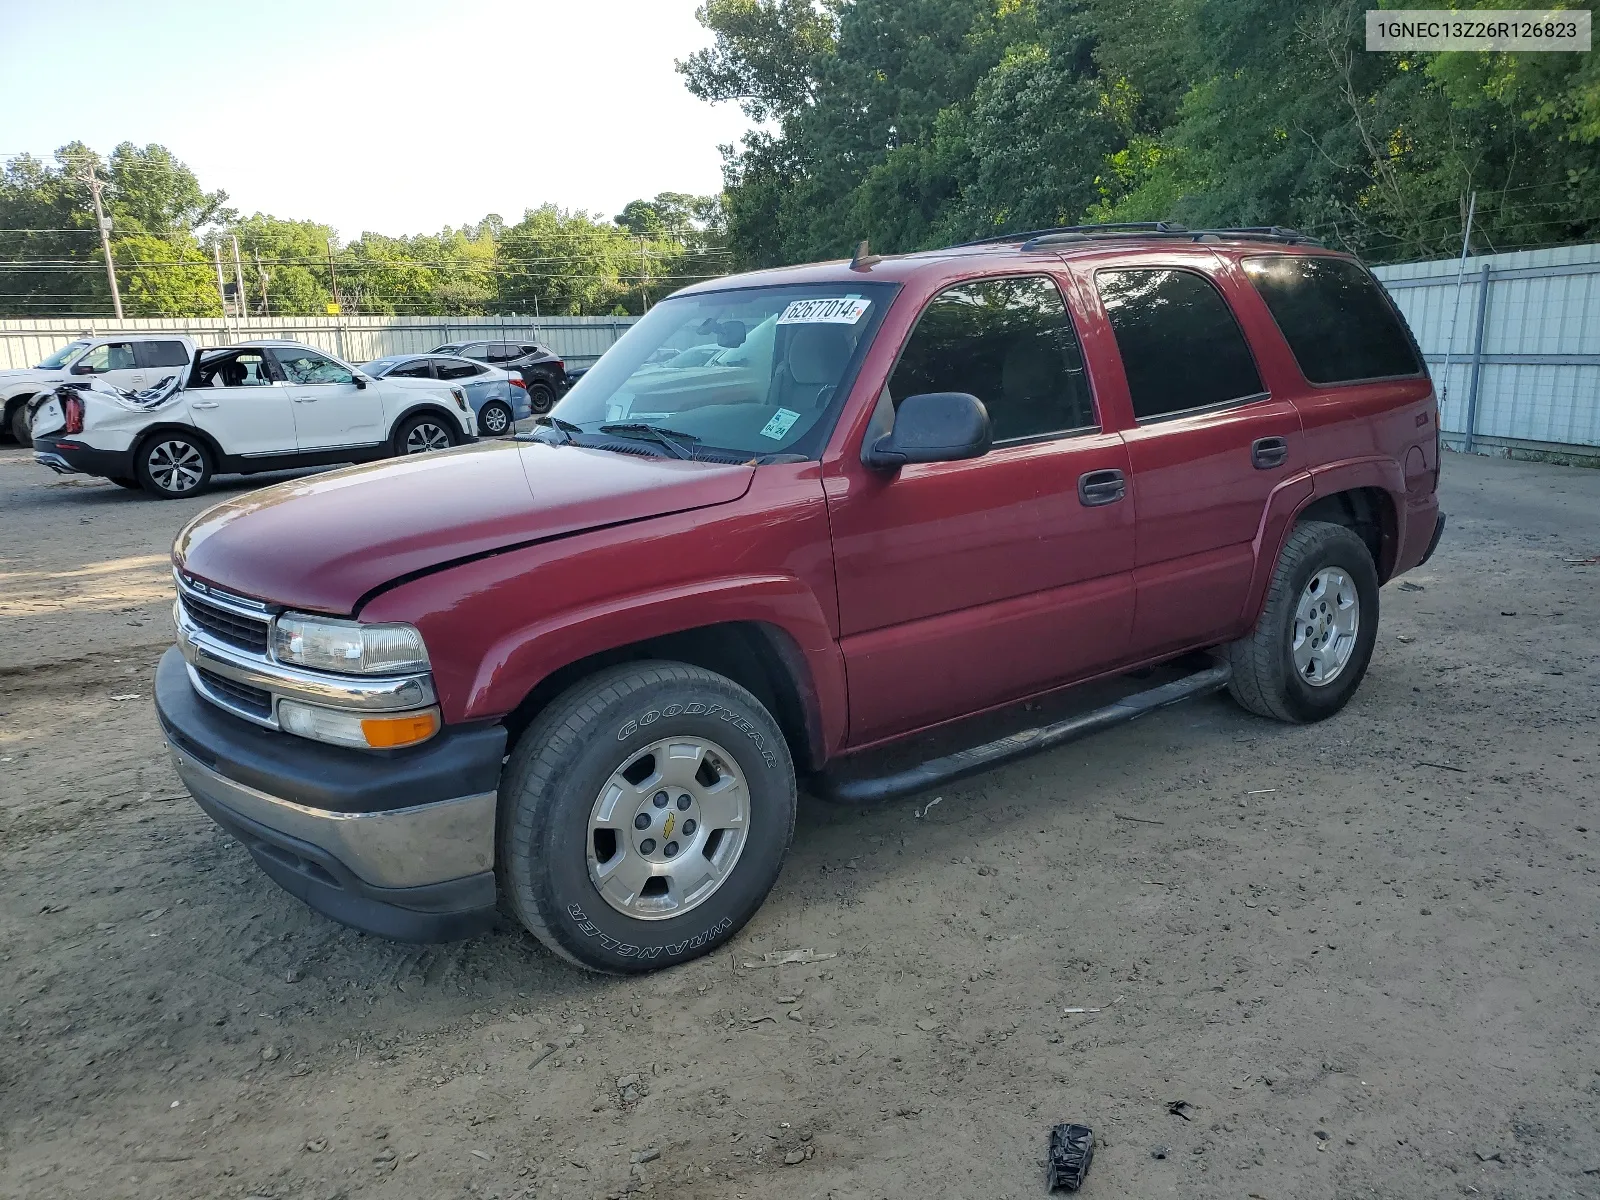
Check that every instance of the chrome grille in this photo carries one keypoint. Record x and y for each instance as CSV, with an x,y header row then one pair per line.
x,y
237,695
227,625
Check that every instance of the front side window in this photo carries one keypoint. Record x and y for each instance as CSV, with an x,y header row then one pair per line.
x,y
473,350
769,368
1010,343
307,366
417,368
111,356
1181,348
63,356
1335,318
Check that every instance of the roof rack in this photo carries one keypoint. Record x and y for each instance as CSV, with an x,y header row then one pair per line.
x,y
1066,235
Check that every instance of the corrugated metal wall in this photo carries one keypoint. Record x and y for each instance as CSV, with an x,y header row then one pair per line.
x,y
579,340
1537,361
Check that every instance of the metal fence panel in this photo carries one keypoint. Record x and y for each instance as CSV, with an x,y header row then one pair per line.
x,y
1538,366
578,340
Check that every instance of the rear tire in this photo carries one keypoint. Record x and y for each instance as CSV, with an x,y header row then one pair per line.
x,y
494,418
171,465
585,836
1310,648
424,433
541,398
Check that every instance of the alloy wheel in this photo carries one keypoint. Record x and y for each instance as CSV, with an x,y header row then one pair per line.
x,y
667,828
425,437
176,466
1326,623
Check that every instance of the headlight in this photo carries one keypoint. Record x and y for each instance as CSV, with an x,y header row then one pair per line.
x,y
349,647
370,732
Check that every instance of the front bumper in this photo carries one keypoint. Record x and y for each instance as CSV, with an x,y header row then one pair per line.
x,y
397,843
67,456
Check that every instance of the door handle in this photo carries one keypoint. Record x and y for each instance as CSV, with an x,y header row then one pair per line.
x,y
1096,488
1269,452
204,404
306,399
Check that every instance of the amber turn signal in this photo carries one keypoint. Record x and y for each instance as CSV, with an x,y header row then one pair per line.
x,y
389,733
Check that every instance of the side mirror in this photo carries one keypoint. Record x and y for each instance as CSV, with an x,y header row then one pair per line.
x,y
361,380
933,427
81,368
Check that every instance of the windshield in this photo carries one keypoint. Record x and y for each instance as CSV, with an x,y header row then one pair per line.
x,y
63,356
754,371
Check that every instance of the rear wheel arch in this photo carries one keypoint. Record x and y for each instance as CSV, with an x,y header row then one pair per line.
x,y
1369,513
218,456
762,658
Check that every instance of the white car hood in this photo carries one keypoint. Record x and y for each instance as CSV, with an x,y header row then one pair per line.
x,y
30,375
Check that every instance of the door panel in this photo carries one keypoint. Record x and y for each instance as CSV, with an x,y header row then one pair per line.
x,y
330,411
1207,447
256,419
1201,500
963,585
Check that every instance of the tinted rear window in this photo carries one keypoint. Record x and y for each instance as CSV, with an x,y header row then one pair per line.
x,y
1335,318
165,354
1181,348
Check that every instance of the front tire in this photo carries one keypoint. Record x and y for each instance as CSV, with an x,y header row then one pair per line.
x,y
171,465
494,418
603,870
19,424
422,434
1310,649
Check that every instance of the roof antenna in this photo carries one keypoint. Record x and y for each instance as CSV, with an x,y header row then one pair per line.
x,y
864,258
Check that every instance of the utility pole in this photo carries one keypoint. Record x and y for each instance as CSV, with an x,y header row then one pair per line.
x,y
266,307
238,279
644,274
222,289
333,276
104,226
1450,346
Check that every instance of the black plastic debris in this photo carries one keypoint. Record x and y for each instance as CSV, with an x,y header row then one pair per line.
x,y
1071,1152
1180,1108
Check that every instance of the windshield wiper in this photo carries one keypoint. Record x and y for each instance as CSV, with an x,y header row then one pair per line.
x,y
670,439
565,428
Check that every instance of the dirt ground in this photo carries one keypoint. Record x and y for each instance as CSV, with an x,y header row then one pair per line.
x,y
1365,953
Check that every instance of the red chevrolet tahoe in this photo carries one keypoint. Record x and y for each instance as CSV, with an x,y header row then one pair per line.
x,y
790,520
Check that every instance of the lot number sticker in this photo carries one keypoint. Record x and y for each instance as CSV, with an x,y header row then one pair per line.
x,y
782,421
842,310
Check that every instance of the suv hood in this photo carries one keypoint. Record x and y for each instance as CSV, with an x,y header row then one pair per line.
x,y
29,375
324,542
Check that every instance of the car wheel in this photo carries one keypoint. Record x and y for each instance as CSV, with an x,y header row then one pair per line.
x,y
122,481
541,398
422,433
19,424
494,418
171,464
1310,649
644,817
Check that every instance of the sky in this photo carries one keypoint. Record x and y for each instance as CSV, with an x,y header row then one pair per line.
x,y
390,116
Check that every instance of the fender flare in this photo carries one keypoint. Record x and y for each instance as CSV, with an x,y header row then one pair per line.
x,y
782,607
1294,495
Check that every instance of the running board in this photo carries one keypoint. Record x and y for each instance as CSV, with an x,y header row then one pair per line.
x,y
874,789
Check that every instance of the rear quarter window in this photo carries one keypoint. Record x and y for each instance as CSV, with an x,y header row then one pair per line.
x,y
1335,317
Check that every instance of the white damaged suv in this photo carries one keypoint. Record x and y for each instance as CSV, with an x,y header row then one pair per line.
x,y
257,406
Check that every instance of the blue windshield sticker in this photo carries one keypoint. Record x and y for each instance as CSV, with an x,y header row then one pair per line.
x,y
782,421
